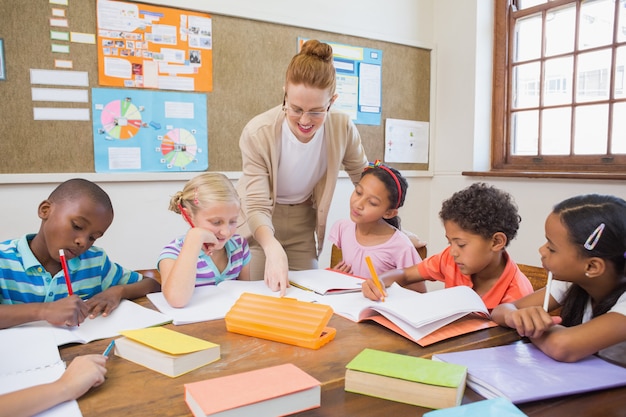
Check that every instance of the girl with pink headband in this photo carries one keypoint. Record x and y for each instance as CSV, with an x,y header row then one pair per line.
x,y
374,226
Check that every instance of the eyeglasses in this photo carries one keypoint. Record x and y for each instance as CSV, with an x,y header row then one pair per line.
x,y
299,112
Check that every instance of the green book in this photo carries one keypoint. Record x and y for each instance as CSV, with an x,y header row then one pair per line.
x,y
406,379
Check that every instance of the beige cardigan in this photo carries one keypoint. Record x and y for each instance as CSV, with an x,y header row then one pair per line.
x,y
260,145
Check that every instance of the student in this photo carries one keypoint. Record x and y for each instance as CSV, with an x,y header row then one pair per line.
x,y
83,373
373,227
211,251
479,221
32,283
585,251
291,159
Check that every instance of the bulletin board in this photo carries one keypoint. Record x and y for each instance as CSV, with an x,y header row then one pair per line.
x,y
249,63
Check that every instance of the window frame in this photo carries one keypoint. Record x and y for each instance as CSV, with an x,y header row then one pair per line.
x,y
502,163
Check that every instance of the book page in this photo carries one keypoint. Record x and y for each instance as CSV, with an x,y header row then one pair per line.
x,y
325,282
128,315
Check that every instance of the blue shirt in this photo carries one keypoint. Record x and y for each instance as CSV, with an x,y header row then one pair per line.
x,y
237,251
24,280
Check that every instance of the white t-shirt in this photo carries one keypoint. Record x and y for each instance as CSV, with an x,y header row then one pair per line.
x,y
616,353
300,167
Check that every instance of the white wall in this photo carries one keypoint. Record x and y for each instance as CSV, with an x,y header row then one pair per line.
x,y
459,31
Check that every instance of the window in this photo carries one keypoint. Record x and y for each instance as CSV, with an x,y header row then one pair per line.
x,y
559,97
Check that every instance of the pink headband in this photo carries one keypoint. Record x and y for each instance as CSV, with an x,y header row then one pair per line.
x,y
378,164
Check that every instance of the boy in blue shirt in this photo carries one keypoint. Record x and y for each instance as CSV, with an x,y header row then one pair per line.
x,y
32,283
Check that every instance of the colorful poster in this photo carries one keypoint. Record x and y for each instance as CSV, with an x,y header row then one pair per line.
x,y
149,131
145,46
359,81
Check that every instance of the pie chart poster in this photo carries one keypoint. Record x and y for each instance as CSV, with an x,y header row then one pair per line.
x,y
149,131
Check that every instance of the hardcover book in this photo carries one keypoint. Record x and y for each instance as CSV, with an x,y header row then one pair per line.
x,y
266,392
406,379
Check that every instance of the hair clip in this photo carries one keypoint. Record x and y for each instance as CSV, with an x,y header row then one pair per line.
x,y
594,237
377,163
195,197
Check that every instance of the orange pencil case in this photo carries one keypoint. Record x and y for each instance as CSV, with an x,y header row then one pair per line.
x,y
285,320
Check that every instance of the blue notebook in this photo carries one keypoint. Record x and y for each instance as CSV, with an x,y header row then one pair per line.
x,y
497,407
521,373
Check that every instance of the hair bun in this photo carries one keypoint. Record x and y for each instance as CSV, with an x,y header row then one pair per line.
x,y
321,50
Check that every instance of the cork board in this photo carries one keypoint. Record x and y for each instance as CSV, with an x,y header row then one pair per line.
x,y
249,62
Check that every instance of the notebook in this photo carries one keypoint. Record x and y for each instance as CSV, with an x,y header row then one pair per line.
x,y
212,302
520,372
496,407
30,357
128,315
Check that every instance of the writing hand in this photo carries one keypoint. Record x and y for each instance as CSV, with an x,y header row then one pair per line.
x,y
83,373
68,311
370,290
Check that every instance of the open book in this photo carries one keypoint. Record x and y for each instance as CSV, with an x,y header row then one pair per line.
x,y
30,357
520,372
416,315
127,316
325,281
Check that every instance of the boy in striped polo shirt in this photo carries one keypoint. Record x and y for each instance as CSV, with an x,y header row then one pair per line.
x,y
32,283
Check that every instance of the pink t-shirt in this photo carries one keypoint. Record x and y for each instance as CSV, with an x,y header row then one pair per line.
x,y
511,286
396,253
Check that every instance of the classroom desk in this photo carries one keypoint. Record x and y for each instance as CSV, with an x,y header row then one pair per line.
x,y
133,390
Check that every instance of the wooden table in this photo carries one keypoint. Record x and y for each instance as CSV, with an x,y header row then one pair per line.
x,y
133,390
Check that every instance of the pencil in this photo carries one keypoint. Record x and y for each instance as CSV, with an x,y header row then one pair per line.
x,y
368,260
546,298
66,272
107,351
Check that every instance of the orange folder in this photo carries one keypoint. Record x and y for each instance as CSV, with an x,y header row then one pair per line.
x,y
285,320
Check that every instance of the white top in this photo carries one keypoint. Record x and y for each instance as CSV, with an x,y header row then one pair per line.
x,y
300,167
616,353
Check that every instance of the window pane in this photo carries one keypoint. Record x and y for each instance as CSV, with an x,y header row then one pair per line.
x,y
594,71
590,135
560,26
526,85
621,34
596,23
555,132
528,38
524,128
557,85
618,144
525,4
620,64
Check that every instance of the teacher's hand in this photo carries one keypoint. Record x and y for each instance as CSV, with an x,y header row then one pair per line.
x,y
276,268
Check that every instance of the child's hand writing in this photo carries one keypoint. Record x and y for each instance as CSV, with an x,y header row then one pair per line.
x,y
531,322
371,291
343,267
82,373
68,311
105,302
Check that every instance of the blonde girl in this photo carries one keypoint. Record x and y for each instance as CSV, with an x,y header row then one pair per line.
x,y
210,252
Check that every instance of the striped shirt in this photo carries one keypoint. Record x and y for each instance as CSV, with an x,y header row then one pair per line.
x,y
24,280
237,251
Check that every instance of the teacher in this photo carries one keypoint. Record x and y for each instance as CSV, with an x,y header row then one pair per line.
x,y
291,155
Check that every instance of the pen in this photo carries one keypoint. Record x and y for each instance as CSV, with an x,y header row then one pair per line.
x,y
107,351
546,298
66,272
368,260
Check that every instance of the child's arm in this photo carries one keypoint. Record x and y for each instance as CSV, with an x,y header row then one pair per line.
x,y
527,315
108,300
83,373
566,344
178,276
66,311
403,277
